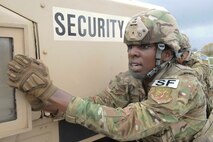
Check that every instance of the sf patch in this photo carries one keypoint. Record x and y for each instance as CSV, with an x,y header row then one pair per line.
x,y
171,83
161,95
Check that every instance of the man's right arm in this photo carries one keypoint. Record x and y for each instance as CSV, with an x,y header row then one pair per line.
x,y
116,94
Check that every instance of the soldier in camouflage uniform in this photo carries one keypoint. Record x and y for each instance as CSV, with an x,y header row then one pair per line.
x,y
200,63
169,103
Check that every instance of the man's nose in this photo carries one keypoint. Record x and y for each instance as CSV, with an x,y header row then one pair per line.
x,y
133,51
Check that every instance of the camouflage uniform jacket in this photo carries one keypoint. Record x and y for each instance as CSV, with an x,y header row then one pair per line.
x,y
175,101
121,91
200,64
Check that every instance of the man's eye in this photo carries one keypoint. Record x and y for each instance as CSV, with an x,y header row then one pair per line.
x,y
145,46
129,47
142,47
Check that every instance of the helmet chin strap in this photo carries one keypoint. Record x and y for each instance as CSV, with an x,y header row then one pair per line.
x,y
158,65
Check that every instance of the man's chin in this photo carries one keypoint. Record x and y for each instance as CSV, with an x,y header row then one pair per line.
x,y
137,75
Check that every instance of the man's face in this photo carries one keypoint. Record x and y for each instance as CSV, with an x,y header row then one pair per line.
x,y
141,59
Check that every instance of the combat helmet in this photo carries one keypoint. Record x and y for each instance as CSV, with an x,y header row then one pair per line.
x,y
184,42
154,26
185,47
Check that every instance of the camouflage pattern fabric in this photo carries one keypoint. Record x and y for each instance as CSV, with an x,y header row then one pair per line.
x,y
184,43
200,64
121,91
180,110
205,135
161,26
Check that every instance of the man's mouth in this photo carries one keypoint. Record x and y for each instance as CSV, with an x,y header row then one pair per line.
x,y
136,67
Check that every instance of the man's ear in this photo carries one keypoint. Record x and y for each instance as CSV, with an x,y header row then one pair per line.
x,y
167,55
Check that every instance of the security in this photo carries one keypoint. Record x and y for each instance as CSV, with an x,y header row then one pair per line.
x,y
83,26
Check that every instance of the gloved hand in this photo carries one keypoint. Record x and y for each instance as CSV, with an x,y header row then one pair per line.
x,y
36,103
31,77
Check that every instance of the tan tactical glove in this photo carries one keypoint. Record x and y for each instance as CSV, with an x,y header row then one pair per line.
x,y
31,77
36,103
